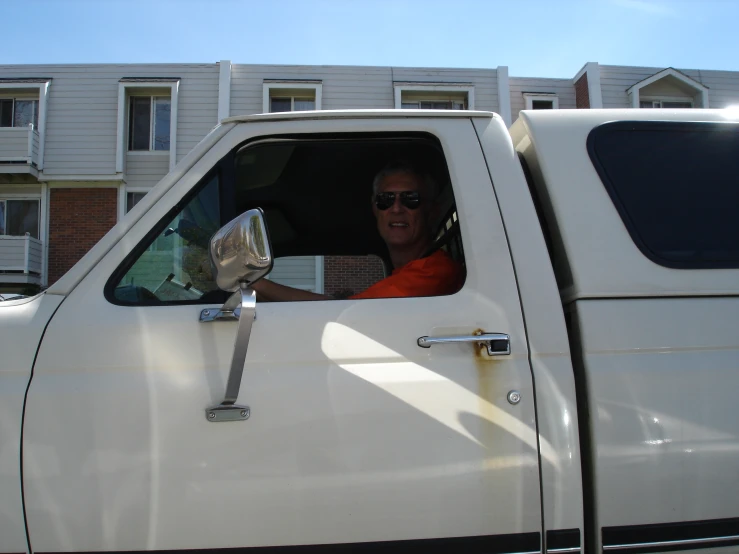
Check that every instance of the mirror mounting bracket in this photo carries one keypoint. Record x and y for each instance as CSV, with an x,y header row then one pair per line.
x,y
230,311
228,410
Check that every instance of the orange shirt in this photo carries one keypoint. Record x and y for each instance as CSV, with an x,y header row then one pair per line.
x,y
434,275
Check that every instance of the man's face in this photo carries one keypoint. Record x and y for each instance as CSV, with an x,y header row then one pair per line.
x,y
399,226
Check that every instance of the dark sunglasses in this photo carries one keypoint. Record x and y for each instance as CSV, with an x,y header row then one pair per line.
x,y
411,199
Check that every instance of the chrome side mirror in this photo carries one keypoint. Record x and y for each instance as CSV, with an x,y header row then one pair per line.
x,y
240,251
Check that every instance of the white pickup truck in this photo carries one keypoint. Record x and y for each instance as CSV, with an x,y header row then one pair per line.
x,y
577,394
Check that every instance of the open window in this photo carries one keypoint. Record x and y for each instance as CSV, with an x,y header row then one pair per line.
x,y
316,194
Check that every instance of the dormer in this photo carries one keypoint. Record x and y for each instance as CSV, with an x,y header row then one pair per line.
x,y
668,88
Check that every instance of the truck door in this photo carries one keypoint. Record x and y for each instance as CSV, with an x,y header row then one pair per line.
x,y
356,434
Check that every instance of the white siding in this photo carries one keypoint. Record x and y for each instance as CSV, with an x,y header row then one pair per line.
x,y
20,190
34,147
14,143
146,170
35,251
83,103
295,271
614,80
343,87
13,254
355,87
723,87
563,88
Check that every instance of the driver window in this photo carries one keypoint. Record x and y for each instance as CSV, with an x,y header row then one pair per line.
x,y
331,232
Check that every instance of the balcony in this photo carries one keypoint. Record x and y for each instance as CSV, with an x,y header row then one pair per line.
x,y
19,152
20,260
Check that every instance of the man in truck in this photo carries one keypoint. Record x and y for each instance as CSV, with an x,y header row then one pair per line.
x,y
403,202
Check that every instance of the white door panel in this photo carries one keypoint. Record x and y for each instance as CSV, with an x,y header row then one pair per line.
x,y
356,434
22,325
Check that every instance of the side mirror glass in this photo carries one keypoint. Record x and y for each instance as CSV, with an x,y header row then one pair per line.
x,y
240,251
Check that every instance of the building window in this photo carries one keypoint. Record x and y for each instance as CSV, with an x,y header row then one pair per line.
x,y
288,96
133,198
434,96
147,118
434,104
541,101
18,217
149,122
666,103
18,112
291,104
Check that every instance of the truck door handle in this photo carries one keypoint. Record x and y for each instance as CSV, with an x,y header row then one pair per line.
x,y
497,344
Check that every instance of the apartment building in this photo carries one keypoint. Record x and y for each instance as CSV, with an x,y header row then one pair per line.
x,y
81,144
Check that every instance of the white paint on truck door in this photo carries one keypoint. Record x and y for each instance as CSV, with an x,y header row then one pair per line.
x,y
22,324
356,434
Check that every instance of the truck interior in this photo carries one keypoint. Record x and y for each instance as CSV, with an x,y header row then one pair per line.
x,y
316,193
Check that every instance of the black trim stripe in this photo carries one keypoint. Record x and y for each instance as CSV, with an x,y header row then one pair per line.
x,y
687,535
563,538
493,544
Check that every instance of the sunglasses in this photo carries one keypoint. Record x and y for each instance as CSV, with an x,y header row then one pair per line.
x,y
411,199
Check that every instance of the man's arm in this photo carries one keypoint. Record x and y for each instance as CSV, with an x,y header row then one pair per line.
x,y
274,292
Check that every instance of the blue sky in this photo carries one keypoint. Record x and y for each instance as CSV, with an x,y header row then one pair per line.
x,y
533,37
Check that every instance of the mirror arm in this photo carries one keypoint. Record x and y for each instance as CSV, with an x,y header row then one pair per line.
x,y
228,410
248,307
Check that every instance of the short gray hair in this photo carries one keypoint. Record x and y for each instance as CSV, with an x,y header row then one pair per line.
x,y
404,166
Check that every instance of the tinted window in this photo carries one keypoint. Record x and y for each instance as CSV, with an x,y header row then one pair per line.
x,y
676,187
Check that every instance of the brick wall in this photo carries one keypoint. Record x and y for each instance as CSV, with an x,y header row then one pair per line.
x,y
78,218
582,96
347,275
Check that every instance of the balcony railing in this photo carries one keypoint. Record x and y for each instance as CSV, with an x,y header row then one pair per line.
x,y
20,259
19,145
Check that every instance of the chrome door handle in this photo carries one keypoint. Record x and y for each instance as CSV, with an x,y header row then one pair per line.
x,y
497,344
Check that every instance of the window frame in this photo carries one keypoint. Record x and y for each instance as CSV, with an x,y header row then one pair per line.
x,y
270,87
152,122
128,87
224,169
4,198
13,87
531,97
14,100
135,190
441,88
